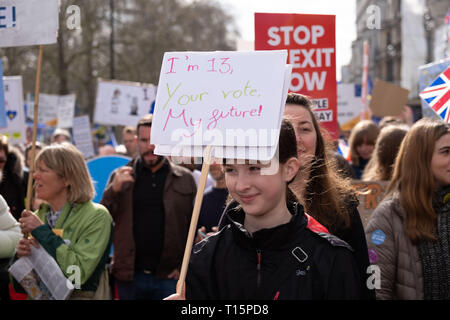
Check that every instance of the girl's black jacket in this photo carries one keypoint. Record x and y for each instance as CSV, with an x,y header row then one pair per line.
x,y
289,261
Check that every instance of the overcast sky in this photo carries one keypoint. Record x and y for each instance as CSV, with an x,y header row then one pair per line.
x,y
345,11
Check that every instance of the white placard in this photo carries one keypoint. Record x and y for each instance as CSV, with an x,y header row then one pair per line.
x,y
54,110
28,22
349,105
229,100
66,110
48,108
82,136
122,102
14,107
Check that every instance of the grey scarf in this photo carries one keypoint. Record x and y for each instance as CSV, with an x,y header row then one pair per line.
x,y
435,255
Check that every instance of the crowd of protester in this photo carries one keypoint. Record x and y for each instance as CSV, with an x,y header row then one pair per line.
x,y
301,220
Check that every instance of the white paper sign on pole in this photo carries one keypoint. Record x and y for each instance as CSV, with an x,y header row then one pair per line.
x,y
14,107
66,110
122,102
233,101
28,22
82,135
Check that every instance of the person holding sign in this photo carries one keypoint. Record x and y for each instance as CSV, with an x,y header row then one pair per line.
x,y
325,194
408,233
75,231
271,249
151,201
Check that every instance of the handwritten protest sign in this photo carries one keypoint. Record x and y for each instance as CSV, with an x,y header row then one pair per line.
x,y
311,45
14,107
123,102
28,22
223,99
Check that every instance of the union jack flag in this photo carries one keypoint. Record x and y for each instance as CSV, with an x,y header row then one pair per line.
x,y
437,95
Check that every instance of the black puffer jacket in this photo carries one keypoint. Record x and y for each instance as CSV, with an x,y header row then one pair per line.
x,y
289,261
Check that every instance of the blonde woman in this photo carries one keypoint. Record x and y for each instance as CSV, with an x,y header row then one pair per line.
x,y
408,234
71,228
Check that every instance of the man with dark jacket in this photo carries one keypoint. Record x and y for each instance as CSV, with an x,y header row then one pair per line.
x,y
151,201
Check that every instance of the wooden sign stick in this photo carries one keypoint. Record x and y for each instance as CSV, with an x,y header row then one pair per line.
x,y
194,219
35,120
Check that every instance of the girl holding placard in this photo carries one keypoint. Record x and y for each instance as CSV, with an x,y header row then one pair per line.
x,y
271,249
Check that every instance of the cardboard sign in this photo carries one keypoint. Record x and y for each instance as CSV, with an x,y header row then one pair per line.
x,y
370,194
232,101
122,102
14,107
310,40
2,99
388,99
28,22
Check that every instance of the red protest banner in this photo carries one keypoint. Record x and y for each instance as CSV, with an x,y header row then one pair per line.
x,y
311,44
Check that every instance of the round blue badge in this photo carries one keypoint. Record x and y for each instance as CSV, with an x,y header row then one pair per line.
x,y
378,237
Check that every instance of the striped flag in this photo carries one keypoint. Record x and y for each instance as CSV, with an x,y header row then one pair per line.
x,y
437,95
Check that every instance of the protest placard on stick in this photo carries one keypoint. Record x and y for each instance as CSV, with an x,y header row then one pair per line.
x,y
26,23
122,102
219,104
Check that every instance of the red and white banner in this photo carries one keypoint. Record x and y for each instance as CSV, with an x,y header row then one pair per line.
x,y
311,44
364,115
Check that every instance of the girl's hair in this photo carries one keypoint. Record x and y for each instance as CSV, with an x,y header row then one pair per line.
x,y
381,164
413,178
364,131
327,194
68,163
287,148
287,142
